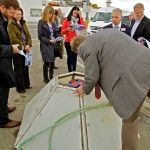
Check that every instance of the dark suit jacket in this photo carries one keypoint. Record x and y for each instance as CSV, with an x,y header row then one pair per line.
x,y
143,29
124,27
7,79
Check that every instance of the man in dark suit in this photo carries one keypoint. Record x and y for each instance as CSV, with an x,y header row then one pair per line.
x,y
140,26
7,80
116,22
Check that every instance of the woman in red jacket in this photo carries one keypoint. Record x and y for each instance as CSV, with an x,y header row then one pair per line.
x,y
72,26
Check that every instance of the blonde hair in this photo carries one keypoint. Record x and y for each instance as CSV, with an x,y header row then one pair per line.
x,y
138,5
46,11
76,41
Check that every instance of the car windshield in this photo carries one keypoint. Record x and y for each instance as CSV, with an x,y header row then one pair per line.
x,y
102,16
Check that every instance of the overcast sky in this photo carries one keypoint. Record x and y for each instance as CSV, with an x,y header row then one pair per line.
x,y
125,4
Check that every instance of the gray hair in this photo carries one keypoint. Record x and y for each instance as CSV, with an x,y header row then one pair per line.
x,y
76,41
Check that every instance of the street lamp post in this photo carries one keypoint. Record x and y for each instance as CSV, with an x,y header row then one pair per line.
x,y
108,3
87,13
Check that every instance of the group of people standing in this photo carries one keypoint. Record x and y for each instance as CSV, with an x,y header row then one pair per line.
x,y
120,64
139,24
117,62
48,31
120,67
15,35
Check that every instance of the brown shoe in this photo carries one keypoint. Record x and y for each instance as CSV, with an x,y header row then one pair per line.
x,y
11,109
11,124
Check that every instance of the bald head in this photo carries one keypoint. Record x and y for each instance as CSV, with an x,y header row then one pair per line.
x,y
116,16
118,10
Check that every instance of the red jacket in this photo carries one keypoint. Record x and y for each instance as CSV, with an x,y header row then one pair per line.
x,y
70,34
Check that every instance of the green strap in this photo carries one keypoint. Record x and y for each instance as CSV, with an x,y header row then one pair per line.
x,y
61,121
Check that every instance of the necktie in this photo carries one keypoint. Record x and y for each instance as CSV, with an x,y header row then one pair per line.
x,y
97,91
116,27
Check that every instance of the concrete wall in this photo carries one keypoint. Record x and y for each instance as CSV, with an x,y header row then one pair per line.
x,y
27,5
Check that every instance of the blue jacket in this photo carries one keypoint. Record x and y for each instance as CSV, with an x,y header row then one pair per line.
x,y
47,48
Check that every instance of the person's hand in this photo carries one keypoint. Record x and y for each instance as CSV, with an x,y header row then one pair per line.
x,y
27,48
79,91
80,14
69,28
142,42
52,41
15,49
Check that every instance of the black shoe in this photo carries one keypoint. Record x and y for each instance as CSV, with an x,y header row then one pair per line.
x,y
55,67
46,80
30,87
21,91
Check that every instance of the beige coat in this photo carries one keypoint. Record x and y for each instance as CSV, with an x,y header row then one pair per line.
x,y
120,65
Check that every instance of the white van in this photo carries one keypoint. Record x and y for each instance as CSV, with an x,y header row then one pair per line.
x,y
103,18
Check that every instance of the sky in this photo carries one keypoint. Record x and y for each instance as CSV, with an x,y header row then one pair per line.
x,y
125,4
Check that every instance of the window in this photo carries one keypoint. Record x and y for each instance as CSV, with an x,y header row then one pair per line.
x,y
102,16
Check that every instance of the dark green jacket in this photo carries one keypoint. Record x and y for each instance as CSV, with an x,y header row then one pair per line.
x,y
15,32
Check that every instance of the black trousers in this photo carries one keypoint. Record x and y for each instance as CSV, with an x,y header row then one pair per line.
x,y
4,93
21,73
71,58
48,70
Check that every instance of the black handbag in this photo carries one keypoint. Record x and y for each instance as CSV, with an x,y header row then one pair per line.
x,y
57,50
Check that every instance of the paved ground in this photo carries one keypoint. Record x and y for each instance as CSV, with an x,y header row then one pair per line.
x,y
8,136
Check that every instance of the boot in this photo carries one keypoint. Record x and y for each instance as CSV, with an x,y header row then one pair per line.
x,y
45,72
51,70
